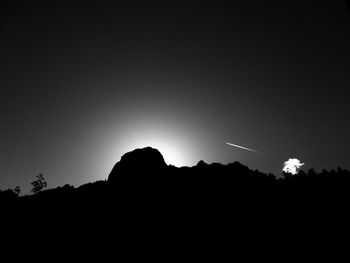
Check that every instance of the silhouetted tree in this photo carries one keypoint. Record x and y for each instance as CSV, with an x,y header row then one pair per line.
x,y
311,172
17,190
38,184
286,175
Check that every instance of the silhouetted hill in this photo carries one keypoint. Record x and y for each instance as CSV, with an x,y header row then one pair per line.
x,y
145,198
142,175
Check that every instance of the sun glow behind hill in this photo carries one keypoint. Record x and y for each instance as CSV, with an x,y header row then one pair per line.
x,y
183,141
173,142
171,152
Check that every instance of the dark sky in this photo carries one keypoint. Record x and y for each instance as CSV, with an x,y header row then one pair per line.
x,y
83,83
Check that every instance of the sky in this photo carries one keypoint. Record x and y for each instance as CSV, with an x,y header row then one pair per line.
x,y
83,83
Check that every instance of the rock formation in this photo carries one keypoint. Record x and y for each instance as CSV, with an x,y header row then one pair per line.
x,y
138,165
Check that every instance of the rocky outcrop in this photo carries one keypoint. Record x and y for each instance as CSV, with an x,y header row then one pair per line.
x,y
138,165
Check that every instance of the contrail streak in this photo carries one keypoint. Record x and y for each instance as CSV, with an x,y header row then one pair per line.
x,y
241,147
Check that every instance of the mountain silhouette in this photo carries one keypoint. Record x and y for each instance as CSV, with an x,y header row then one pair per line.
x,y
146,199
142,174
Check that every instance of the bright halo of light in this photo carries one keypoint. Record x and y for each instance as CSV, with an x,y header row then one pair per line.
x,y
171,141
171,152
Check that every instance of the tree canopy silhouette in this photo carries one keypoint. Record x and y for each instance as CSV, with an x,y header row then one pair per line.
x,y
38,184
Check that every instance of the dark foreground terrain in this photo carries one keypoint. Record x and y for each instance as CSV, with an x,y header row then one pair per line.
x,y
147,204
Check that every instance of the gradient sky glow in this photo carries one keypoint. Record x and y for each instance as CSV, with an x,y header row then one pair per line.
x,y
83,83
